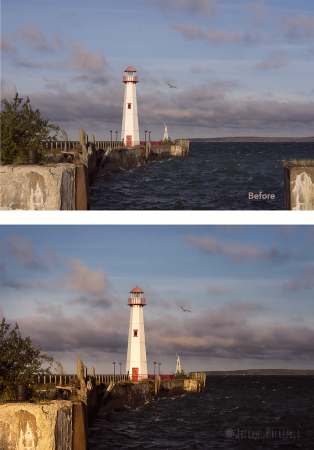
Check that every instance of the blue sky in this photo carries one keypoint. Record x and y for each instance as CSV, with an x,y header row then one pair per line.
x,y
240,67
250,290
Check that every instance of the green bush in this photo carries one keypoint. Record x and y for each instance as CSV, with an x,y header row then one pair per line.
x,y
22,129
179,375
166,141
19,358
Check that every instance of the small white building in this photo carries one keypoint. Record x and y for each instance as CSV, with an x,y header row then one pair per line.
x,y
178,366
165,133
130,132
136,364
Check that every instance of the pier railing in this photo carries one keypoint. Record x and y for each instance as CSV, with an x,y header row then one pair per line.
x,y
150,377
70,145
63,380
151,142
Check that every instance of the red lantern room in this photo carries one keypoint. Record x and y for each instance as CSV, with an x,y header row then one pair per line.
x,y
130,76
137,297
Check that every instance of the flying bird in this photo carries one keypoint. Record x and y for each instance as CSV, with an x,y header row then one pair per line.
x,y
183,310
169,85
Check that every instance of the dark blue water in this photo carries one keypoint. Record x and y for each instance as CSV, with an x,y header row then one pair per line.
x,y
234,412
218,175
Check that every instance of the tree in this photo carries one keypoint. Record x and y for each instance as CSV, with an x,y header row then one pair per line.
x,y
22,129
179,375
63,136
59,368
166,141
19,357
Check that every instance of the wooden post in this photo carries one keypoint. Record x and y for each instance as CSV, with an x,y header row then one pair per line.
x,y
80,427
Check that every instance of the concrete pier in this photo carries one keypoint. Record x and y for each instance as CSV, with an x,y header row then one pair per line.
x,y
63,424
299,186
65,185
44,426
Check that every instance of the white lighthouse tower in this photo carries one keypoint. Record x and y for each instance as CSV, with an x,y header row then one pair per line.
x,y
136,364
130,131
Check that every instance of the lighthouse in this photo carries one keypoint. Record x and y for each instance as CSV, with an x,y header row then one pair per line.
x,y
136,364
130,132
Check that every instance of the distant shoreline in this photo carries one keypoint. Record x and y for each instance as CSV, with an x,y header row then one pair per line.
x,y
260,372
254,139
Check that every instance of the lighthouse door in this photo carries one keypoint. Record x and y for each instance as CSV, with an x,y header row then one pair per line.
x,y
134,373
129,141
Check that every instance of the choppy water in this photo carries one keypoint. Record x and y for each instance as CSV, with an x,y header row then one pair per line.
x,y
216,175
235,412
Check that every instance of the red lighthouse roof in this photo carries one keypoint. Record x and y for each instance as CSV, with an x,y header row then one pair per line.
x,y
130,69
136,289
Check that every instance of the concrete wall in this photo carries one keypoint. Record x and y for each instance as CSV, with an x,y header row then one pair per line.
x,y
125,158
299,188
129,158
191,385
53,425
138,393
65,186
179,386
34,187
31,426
130,395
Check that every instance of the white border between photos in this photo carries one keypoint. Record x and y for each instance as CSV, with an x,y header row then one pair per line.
x,y
156,218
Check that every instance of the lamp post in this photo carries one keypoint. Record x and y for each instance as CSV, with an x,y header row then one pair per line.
x,y
149,135
159,368
116,136
154,367
145,135
114,369
111,136
120,367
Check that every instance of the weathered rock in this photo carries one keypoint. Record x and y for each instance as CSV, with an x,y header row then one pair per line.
x,y
299,188
80,368
40,426
33,187
58,158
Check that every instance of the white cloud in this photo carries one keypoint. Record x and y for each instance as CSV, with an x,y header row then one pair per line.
x,y
205,8
258,11
215,36
298,28
236,251
276,60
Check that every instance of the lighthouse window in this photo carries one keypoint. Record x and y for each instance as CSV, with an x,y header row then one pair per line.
x,y
135,333
129,105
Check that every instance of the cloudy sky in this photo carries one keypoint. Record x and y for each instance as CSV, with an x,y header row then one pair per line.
x,y
240,67
250,290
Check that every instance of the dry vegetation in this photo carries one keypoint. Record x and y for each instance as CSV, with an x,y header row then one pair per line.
x,y
298,163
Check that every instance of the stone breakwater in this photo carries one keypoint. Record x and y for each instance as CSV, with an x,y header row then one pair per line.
x,y
63,184
61,419
63,424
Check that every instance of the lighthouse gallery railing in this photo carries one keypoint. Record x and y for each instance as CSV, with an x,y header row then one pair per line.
x,y
137,301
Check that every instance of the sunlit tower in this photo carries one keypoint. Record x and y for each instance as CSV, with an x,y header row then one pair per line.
x,y
136,363
130,131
